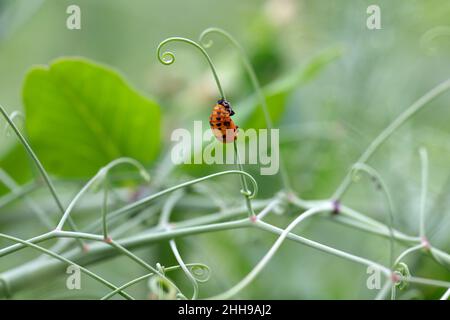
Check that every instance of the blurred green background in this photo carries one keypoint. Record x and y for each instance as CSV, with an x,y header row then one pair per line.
x,y
327,120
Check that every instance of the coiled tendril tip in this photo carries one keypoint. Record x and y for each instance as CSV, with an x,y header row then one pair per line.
x,y
206,43
201,272
168,57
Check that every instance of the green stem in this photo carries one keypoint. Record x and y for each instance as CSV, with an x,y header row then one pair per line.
x,y
9,182
19,245
20,193
385,290
427,282
248,67
62,259
199,221
375,175
141,262
167,58
99,251
407,252
269,255
446,295
255,83
39,165
440,256
321,247
355,219
21,277
272,204
167,208
164,222
380,231
244,191
135,206
390,129
186,271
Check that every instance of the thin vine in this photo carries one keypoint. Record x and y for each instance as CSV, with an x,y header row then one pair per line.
x,y
167,58
255,83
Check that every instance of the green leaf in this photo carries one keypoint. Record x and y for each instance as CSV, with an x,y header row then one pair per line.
x,y
81,115
277,93
16,163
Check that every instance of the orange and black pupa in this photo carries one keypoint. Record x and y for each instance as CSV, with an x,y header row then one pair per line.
x,y
221,123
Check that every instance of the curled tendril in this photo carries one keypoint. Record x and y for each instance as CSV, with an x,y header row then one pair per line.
x,y
13,116
246,193
168,58
208,43
402,270
429,36
201,272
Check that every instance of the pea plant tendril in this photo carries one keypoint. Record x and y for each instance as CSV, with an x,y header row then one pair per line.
x,y
255,83
105,238
168,58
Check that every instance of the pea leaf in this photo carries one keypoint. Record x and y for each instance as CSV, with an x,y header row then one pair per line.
x,y
278,92
81,115
16,163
